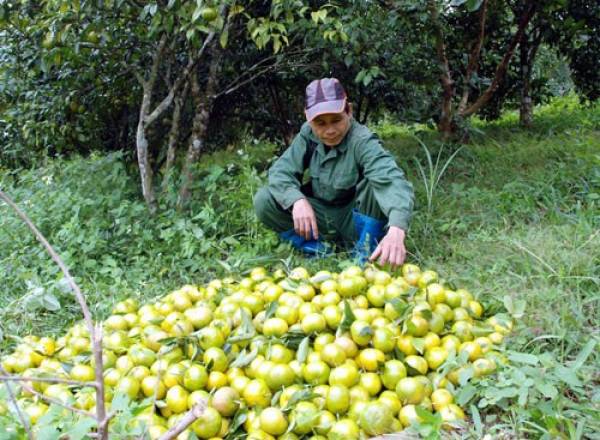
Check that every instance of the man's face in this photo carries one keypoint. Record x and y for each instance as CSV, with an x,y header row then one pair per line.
x,y
331,128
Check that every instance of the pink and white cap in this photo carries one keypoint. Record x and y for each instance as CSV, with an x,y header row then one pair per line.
x,y
325,95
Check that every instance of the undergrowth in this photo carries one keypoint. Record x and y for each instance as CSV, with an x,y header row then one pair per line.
x,y
516,213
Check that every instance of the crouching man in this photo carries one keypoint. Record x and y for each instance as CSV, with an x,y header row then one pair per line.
x,y
355,192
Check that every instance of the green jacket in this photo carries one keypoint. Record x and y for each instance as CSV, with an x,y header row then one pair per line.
x,y
335,171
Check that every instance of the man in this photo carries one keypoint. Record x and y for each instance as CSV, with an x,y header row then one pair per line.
x,y
356,192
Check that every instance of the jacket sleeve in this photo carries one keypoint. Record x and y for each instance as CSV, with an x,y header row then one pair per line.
x,y
285,176
393,192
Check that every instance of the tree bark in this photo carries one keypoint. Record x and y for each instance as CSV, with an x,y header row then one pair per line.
x,y
286,130
174,134
528,51
143,123
524,20
445,124
203,103
474,58
147,117
525,111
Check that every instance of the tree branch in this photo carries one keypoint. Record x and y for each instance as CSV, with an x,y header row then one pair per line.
x,y
503,65
57,402
445,76
238,82
12,378
474,57
95,333
13,400
166,102
189,418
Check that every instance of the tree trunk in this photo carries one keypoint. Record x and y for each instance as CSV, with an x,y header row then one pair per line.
x,y
147,117
141,142
203,103
473,58
445,125
526,109
174,135
286,129
500,73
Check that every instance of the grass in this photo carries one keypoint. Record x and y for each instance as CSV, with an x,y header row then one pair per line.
x,y
516,213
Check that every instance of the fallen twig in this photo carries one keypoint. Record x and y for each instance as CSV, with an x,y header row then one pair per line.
x,y
189,418
95,332
13,400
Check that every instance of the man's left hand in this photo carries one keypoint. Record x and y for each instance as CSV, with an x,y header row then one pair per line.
x,y
391,249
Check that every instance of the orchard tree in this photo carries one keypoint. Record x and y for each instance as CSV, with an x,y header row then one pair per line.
x,y
175,50
440,13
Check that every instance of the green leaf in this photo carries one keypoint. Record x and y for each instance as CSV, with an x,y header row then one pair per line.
x,y
418,344
427,416
426,313
120,402
223,39
303,348
271,309
347,319
293,339
477,421
523,394
482,329
465,394
465,376
547,389
276,397
523,358
244,359
366,331
320,277
239,419
515,308
568,376
67,367
474,5
299,396
581,357
506,392
81,428
48,433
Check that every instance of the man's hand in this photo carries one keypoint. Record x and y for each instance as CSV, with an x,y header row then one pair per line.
x,y
391,249
305,220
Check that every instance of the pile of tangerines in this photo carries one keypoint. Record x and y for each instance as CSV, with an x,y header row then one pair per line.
x,y
284,355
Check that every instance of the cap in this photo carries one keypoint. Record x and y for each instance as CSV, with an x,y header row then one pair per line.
x,y
325,95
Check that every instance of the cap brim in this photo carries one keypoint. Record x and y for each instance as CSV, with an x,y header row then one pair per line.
x,y
324,108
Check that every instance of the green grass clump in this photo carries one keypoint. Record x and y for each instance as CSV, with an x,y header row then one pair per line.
x,y
515,217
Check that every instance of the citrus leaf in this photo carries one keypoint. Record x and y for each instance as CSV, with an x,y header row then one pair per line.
x,y
418,344
276,397
271,309
81,428
244,359
303,348
299,396
347,319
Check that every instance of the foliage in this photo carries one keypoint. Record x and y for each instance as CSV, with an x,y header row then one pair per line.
x,y
70,70
89,209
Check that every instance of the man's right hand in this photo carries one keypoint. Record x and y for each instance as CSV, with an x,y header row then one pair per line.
x,y
305,220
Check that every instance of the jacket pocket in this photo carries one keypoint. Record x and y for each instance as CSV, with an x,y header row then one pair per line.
x,y
343,181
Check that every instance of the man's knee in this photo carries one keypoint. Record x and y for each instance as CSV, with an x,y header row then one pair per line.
x,y
263,200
